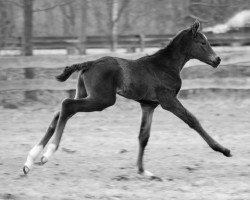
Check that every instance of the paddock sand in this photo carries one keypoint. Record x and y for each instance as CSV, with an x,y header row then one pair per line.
x,y
97,156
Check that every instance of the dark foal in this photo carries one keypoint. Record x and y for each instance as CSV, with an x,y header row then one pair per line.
x,y
151,80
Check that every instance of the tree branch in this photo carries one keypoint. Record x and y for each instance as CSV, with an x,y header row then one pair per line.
x,y
213,5
39,10
14,3
196,17
54,6
124,5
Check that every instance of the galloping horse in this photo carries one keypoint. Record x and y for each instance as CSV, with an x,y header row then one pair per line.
x,y
151,80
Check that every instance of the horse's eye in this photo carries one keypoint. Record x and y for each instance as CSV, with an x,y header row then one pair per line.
x,y
203,43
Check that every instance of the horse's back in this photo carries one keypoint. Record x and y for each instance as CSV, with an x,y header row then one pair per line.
x,y
103,77
128,78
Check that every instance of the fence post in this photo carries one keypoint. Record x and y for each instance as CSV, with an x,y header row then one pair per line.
x,y
142,42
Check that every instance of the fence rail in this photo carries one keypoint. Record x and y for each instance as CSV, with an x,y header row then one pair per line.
x,y
46,66
230,57
189,84
131,42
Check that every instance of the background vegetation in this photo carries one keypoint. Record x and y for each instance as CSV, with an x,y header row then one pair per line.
x,y
65,17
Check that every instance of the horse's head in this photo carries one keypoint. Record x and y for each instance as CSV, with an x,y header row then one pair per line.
x,y
195,45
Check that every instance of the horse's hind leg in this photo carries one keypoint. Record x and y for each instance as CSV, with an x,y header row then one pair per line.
x,y
101,94
37,149
69,108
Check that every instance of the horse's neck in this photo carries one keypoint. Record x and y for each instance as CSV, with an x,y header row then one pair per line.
x,y
171,58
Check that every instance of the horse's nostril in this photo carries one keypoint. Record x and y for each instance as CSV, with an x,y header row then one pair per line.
x,y
218,59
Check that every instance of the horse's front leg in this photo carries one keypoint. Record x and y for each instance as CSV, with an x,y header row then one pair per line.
x,y
172,104
146,121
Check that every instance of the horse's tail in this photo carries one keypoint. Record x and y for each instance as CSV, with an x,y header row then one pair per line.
x,y
70,69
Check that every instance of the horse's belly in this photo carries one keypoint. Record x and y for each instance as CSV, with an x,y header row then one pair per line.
x,y
138,92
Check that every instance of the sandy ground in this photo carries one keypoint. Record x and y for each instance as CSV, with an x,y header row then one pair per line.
x,y
97,156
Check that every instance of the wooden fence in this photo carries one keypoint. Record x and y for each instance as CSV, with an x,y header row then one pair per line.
x,y
129,42
41,63
187,84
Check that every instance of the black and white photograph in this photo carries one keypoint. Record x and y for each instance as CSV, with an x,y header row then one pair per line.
x,y
125,99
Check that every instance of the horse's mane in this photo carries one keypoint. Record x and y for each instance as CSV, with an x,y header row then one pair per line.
x,y
177,37
171,44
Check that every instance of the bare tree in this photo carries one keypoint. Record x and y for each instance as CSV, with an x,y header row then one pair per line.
x,y
115,10
84,4
27,31
188,14
3,17
27,42
68,13
210,11
6,22
50,25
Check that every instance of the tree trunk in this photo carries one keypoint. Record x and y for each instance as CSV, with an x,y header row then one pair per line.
x,y
66,30
27,36
68,19
27,43
83,25
114,11
3,17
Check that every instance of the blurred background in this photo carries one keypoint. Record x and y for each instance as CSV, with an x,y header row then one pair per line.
x,y
82,27
84,24
38,38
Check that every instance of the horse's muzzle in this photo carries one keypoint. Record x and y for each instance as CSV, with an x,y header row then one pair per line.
x,y
216,62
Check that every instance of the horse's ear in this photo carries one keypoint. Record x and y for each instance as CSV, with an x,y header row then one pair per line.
x,y
195,27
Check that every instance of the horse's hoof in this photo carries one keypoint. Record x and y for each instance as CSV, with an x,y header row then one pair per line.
x,y
43,160
26,170
150,175
227,153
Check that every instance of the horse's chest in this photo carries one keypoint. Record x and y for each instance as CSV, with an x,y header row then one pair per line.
x,y
172,83
135,86
133,90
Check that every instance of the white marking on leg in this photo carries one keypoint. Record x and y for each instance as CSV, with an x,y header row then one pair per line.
x,y
50,151
151,176
33,154
147,173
